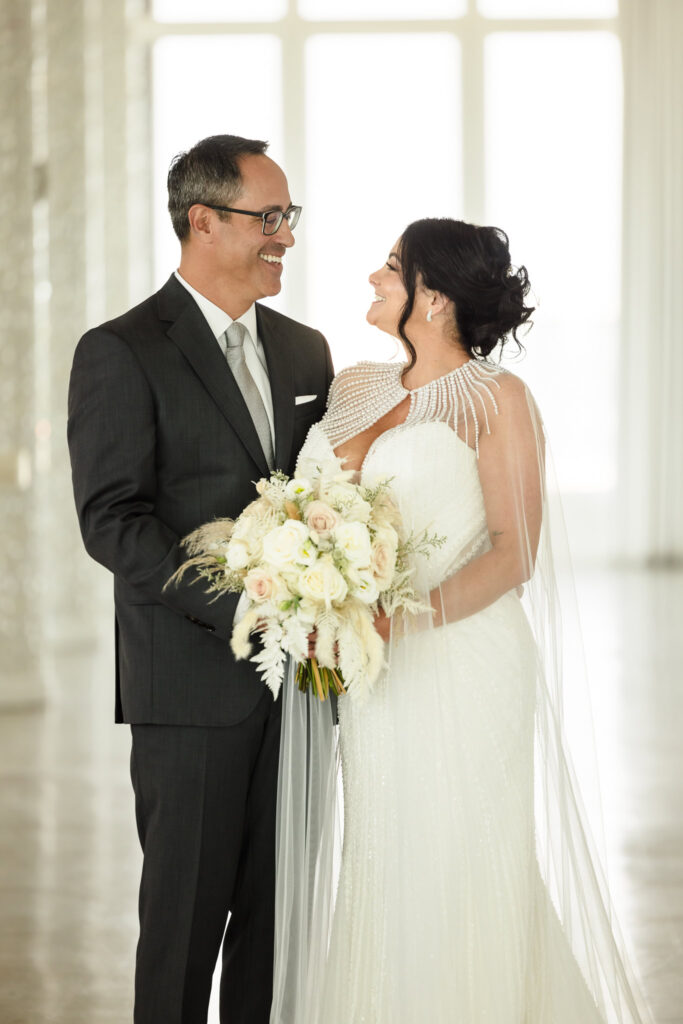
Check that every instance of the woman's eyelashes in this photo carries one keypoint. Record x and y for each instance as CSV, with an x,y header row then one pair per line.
x,y
389,266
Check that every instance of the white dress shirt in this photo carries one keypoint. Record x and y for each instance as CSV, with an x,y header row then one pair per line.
x,y
255,358
254,355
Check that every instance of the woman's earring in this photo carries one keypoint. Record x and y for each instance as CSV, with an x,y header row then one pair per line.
x,y
429,316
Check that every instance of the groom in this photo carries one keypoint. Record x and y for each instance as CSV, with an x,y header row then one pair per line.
x,y
175,409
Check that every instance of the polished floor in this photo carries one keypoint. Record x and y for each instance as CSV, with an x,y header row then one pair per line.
x,y
69,858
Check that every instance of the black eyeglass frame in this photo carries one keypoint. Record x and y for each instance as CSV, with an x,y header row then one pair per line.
x,y
292,211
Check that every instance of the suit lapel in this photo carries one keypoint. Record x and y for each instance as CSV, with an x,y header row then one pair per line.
x,y
190,332
280,371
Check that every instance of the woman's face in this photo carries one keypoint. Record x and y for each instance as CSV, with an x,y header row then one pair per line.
x,y
390,295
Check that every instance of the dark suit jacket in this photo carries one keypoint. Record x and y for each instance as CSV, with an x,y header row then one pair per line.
x,y
161,441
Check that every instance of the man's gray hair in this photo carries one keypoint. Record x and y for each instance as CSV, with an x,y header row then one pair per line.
x,y
208,173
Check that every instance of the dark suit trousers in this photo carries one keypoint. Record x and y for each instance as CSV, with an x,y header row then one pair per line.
x,y
205,805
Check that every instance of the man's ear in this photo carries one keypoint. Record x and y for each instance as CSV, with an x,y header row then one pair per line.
x,y
201,223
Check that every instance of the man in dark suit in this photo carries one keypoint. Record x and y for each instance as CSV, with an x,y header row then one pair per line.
x,y
175,409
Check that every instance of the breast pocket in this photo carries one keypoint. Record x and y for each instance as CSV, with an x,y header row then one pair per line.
x,y
304,418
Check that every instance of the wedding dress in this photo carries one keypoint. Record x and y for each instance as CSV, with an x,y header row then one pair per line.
x,y
468,889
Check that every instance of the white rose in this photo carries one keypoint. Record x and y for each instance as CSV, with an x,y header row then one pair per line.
x,y
297,487
260,585
281,547
255,546
321,582
344,495
237,555
321,520
366,588
360,511
243,527
353,540
339,492
383,556
307,611
246,531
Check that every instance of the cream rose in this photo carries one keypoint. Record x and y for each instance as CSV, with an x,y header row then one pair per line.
x,y
243,527
353,540
282,545
260,585
307,611
383,556
345,496
321,520
339,492
246,531
237,555
322,582
359,512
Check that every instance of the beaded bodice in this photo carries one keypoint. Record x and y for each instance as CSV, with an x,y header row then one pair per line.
x,y
430,457
362,394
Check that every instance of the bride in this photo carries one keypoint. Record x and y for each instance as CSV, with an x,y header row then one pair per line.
x,y
467,890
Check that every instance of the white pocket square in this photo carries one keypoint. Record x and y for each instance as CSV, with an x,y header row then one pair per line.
x,y
302,399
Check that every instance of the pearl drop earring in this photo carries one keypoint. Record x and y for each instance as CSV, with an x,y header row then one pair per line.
x,y
429,317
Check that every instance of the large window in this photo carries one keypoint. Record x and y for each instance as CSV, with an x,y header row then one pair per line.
x,y
500,111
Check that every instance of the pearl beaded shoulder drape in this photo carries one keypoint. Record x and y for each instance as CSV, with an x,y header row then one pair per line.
x,y
468,889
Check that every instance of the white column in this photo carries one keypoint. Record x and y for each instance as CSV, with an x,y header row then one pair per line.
x,y
138,158
76,292
92,178
74,243
651,438
20,633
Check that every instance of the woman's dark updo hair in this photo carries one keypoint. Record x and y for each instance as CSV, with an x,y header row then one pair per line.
x,y
471,266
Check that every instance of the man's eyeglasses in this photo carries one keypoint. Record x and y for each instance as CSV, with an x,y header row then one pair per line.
x,y
270,219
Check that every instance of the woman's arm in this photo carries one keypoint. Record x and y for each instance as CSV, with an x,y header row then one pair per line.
x,y
511,467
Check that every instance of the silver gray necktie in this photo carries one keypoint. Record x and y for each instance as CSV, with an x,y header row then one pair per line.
x,y
235,353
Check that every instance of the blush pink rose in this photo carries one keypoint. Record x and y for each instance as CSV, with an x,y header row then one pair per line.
x,y
321,519
259,585
383,557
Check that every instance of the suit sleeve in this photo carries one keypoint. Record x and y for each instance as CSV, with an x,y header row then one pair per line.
x,y
112,443
329,368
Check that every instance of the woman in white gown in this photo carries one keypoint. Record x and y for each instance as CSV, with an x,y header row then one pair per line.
x,y
468,890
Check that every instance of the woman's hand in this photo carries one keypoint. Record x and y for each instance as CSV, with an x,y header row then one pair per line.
x,y
382,624
312,640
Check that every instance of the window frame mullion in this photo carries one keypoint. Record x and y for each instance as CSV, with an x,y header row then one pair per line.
x,y
293,37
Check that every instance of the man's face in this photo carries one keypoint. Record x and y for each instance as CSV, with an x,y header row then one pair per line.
x,y
246,259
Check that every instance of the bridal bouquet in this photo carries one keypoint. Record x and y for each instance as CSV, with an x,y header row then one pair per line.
x,y
317,555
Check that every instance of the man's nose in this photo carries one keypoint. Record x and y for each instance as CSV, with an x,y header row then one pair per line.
x,y
285,234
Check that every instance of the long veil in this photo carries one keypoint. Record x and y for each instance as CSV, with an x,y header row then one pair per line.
x,y
515,903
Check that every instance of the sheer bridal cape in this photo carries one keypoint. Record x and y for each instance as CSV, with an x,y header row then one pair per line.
x,y
468,889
